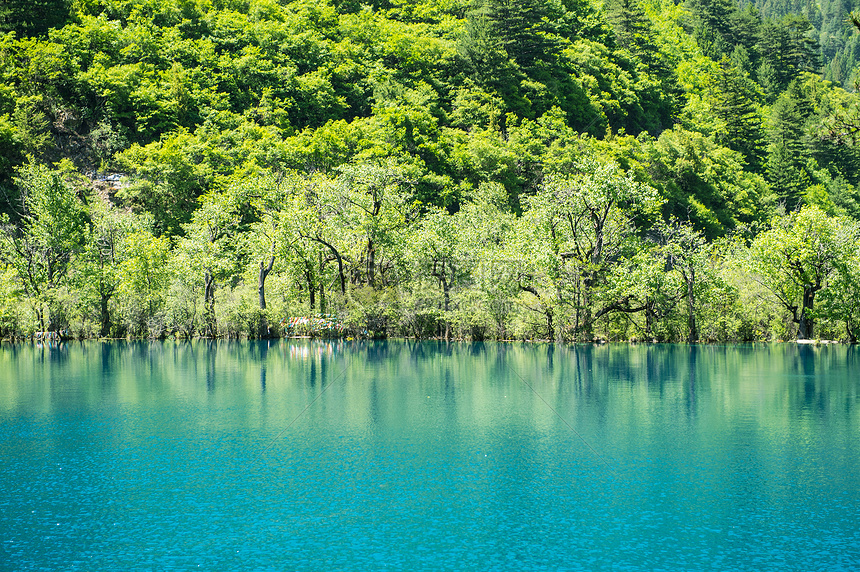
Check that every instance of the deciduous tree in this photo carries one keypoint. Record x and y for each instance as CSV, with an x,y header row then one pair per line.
x,y
41,248
797,258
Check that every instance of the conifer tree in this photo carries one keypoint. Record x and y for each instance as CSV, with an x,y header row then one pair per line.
x,y
787,50
744,27
734,103
710,25
786,167
630,24
525,29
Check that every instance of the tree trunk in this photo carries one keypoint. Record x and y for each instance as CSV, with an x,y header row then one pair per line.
x,y
650,319
585,328
312,291
340,271
806,322
446,292
210,328
322,285
692,326
263,329
446,296
40,315
104,315
546,310
550,327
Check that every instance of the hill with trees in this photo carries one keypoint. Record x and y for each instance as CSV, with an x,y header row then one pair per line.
x,y
487,169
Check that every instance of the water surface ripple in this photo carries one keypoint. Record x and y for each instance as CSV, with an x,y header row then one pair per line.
x,y
426,455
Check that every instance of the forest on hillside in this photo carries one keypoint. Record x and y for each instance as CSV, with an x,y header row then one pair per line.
x,y
567,170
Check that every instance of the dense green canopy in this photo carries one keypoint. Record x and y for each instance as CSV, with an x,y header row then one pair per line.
x,y
556,169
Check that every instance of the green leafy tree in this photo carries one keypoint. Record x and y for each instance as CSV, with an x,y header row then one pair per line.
x,y
797,257
487,226
99,263
313,237
642,283
209,248
373,206
525,29
630,24
636,34
41,247
291,228
144,275
440,250
574,230
32,17
168,177
690,255
705,183
841,299
10,301
266,199
511,47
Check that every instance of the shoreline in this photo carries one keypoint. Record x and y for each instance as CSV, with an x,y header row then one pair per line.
x,y
601,342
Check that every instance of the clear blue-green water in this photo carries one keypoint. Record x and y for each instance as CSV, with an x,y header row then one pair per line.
x,y
305,455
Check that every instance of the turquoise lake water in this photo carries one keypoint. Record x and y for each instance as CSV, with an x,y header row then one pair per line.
x,y
307,455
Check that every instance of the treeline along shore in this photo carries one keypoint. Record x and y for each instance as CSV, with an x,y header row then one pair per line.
x,y
568,170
